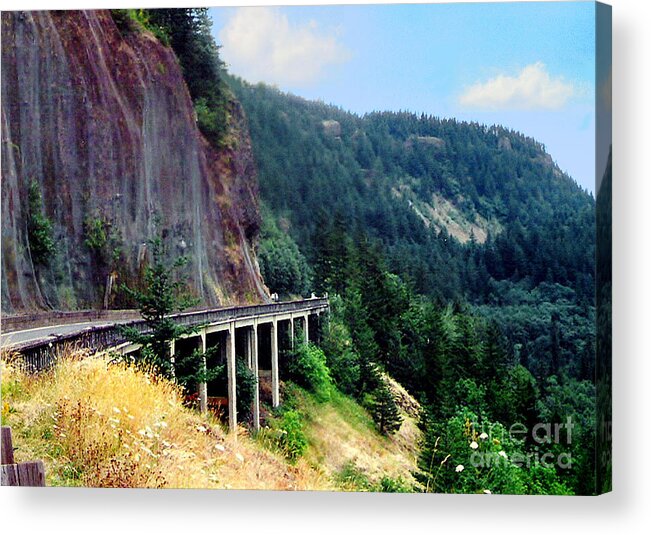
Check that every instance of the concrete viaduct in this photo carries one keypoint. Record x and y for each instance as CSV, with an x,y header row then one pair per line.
x,y
256,333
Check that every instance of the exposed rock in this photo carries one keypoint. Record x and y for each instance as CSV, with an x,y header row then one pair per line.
x,y
332,128
435,142
504,143
104,123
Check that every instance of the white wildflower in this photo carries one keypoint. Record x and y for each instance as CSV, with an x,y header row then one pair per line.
x,y
483,436
459,468
503,454
486,491
201,429
474,445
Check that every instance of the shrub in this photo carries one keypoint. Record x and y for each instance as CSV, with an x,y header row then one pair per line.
x,y
307,367
291,438
39,228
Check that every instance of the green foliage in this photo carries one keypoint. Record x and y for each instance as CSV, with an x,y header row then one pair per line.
x,y
341,357
96,233
164,293
190,37
495,327
352,478
462,456
385,410
129,20
308,368
283,267
104,240
388,484
188,32
40,232
291,438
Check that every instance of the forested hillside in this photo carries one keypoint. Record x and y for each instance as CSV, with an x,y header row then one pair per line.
x,y
458,257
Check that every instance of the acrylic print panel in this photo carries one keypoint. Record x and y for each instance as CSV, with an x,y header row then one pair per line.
x,y
355,248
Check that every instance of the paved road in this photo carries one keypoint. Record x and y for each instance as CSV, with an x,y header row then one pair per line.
x,y
43,333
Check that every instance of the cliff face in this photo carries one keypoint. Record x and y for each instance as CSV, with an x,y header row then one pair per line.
x,y
103,122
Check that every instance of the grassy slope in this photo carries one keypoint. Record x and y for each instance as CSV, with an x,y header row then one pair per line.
x,y
98,425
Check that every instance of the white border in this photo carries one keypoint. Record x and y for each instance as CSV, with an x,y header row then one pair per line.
x,y
623,511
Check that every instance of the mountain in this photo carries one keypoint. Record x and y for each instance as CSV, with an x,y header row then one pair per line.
x,y
456,206
100,146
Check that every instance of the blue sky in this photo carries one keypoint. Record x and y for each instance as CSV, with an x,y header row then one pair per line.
x,y
527,66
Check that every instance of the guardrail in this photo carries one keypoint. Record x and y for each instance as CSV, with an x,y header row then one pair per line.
x,y
39,355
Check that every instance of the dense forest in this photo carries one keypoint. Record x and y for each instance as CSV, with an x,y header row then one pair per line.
x,y
458,258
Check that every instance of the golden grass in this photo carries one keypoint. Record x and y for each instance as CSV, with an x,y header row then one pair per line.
x,y
341,433
101,425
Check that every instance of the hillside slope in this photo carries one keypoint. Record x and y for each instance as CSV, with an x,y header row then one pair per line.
x,y
113,426
100,124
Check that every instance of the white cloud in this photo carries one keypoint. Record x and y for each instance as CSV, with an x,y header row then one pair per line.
x,y
260,44
532,89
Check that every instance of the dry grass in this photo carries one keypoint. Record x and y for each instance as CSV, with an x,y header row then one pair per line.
x,y
102,425
342,434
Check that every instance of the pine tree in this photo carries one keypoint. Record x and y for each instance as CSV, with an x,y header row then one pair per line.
x,y
164,293
385,410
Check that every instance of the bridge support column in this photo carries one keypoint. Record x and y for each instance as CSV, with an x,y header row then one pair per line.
x,y
203,386
254,358
306,328
291,331
275,379
231,369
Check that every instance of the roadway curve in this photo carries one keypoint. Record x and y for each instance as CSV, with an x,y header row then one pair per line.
x,y
10,339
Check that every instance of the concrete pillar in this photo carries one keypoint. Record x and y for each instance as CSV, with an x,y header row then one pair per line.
x,y
306,328
172,351
254,358
231,369
248,348
203,386
291,331
275,379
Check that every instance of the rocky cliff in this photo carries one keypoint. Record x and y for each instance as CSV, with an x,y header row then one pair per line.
x,y
103,125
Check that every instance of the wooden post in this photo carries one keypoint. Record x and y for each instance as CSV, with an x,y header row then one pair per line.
x,y
275,380
256,371
231,368
7,446
203,386
30,474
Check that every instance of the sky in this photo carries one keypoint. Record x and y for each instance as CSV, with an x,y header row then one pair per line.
x,y
526,66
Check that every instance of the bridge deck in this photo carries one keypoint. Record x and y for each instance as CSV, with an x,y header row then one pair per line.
x,y
39,354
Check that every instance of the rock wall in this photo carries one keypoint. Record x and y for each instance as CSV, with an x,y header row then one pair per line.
x,y
103,122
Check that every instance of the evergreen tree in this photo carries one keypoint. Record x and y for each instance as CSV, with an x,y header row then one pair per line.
x,y
164,292
385,410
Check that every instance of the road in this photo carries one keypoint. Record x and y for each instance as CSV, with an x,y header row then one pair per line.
x,y
43,333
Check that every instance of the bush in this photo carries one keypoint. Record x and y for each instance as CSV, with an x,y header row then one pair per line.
x,y
341,357
245,386
291,438
307,367
39,228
